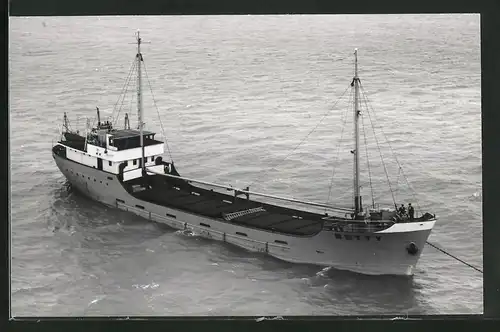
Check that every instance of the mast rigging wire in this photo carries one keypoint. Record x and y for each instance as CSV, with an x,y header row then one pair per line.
x,y
123,94
368,160
393,153
302,141
121,97
158,111
344,115
378,147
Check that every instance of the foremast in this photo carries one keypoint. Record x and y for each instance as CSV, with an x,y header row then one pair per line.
x,y
139,97
358,206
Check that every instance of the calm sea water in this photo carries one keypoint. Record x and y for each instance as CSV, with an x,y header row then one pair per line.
x,y
236,95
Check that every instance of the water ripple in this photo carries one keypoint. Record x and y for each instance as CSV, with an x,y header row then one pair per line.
x,y
236,95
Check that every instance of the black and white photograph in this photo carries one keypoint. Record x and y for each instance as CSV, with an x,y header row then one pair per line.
x,y
246,165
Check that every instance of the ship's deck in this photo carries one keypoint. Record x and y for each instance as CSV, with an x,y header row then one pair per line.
x,y
178,194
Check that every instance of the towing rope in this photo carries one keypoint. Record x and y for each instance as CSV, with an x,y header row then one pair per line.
x,y
454,257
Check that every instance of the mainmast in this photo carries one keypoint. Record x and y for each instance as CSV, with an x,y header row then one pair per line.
x,y
139,96
358,207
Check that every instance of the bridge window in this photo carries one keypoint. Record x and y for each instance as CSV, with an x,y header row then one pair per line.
x,y
110,163
281,242
242,234
140,206
204,225
171,216
135,161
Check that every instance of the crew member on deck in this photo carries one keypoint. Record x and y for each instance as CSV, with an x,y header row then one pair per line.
x,y
402,210
411,211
